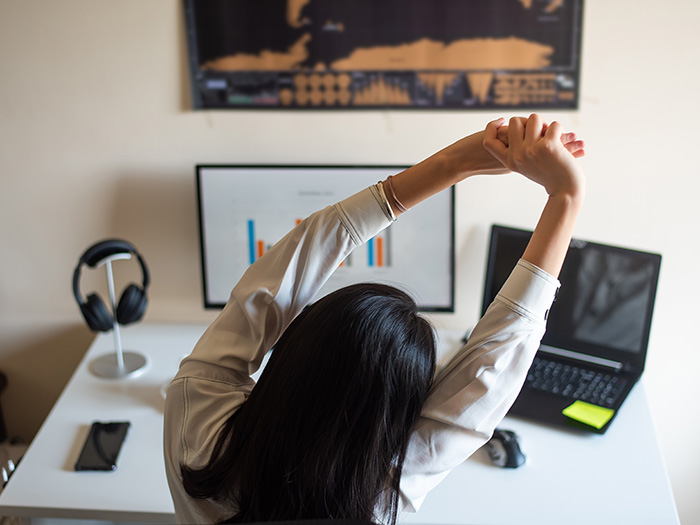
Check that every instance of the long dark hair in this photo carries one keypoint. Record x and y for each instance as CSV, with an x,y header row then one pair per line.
x,y
324,432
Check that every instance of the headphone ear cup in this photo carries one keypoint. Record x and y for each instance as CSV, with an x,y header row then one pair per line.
x,y
132,305
96,314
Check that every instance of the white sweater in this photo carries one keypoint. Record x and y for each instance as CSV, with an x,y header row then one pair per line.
x,y
470,395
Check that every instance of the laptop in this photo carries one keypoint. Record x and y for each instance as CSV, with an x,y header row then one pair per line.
x,y
595,346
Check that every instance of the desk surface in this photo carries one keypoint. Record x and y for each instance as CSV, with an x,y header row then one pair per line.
x,y
568,478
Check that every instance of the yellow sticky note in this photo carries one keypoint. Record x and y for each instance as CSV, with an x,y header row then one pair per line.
x,y
592,415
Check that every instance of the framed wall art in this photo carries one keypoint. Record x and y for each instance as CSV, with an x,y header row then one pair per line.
x,y
360,54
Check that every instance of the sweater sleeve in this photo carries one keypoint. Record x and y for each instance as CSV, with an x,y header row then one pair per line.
x,y
473,392
283,281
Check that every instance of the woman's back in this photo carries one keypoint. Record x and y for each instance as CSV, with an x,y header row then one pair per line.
x,y
325,430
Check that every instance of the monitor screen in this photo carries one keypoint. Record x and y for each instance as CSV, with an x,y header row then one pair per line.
x,y
243,210
606,300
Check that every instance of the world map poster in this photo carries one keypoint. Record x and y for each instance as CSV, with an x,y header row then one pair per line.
x,y
363,54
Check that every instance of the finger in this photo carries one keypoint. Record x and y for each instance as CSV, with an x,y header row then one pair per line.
x,y
503,134
522,120
516,131
576,148
503,131
534,128
491,142
566,138
555,132
494,133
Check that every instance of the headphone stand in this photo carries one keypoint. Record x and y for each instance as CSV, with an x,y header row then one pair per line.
x,y
120,364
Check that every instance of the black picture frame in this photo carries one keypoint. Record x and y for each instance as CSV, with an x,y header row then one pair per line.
x,y
384,54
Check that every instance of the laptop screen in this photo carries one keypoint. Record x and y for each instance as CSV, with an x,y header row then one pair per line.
x,y
243,210
605,304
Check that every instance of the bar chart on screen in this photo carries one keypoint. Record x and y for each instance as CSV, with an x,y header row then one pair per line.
x,y
378,247
245,211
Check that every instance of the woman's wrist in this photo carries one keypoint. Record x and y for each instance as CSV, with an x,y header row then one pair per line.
x,y
573,192
468,157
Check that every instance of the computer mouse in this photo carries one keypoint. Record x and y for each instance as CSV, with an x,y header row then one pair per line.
x,y
504,449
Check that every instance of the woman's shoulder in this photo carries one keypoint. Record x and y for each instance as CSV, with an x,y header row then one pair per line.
x,y
197,406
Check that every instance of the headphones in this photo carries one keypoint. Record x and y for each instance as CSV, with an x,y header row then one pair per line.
x,y
133,301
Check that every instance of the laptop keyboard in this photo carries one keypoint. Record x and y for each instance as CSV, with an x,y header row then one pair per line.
x,y
574,382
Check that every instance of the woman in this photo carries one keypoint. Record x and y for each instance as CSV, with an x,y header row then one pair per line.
x,y
348,419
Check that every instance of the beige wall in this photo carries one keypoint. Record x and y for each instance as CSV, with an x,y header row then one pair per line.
x,y
96,140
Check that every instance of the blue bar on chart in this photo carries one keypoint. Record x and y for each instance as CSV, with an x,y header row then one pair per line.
x,y
251,240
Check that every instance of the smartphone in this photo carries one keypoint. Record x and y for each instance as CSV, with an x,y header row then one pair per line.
x,y
102,445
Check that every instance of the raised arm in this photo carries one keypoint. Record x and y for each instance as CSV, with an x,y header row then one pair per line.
x,y
538,152
465,158
477,386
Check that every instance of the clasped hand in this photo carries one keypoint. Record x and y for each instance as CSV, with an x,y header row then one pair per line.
x,y
543,153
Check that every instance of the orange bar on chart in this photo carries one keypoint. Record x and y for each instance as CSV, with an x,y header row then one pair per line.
x,y
380,251
261,249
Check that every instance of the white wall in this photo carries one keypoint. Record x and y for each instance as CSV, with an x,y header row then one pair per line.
x,y
96,140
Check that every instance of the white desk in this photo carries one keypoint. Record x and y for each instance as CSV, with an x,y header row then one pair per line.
x,y
568,478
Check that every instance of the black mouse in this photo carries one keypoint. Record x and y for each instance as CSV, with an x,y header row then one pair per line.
x,y
504,449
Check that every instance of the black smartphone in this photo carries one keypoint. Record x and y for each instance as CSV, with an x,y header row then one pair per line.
x,y
102,446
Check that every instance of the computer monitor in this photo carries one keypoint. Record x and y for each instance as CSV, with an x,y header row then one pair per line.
x,y
244,209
